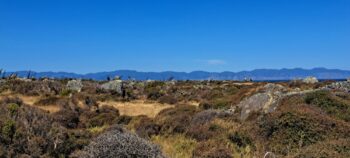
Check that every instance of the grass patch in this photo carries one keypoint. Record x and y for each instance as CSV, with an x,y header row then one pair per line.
x,y
176,146
97,129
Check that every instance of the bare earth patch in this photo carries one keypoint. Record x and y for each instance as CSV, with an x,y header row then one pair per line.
x,y
30,100
137,108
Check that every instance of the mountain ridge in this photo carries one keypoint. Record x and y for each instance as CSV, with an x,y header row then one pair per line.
x,y
257,74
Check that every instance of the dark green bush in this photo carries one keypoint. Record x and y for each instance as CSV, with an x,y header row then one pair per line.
x,y
8,130
291,130
13,108
241,140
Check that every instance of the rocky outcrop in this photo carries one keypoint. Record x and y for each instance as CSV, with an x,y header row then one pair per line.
x,y
74,85
341,86
265,101
310,80
115,85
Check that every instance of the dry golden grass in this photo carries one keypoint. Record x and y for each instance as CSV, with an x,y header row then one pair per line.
x,y
177,146
137,108
30,100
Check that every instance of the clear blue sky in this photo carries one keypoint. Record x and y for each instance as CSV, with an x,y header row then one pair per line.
x,y
180,35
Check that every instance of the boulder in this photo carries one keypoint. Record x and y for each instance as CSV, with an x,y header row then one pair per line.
x,y
74,85
310,80
348,80
115,85
265,101
341,86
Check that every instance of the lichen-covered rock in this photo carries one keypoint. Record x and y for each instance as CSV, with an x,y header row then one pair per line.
x,y
74,85
265,101
115,85
310,80
341,86
117,142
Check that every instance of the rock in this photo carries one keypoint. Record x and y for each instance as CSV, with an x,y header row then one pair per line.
x,y
74,85
341,86
117,142
270,87
265,101
348,80
310,80
115,85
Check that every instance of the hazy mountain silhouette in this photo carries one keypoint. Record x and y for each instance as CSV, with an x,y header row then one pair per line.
x,y
258,74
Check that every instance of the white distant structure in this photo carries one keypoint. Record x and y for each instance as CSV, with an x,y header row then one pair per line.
x,y
310,80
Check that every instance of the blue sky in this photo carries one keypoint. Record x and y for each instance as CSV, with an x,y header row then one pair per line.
x,y
180,35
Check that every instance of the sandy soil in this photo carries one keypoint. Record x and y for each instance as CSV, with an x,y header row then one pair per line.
x,y
137,108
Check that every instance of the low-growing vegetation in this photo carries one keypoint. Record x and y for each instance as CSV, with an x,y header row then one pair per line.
x,y
175,119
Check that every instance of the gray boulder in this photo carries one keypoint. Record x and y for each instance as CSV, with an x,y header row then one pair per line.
x,y
341,86
117,142
265,101
74,85
115,85
348,80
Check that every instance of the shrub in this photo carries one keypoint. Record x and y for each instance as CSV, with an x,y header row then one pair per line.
x,y
204,132
177,146
211,149
103,116
146,128
332,105
8,131
51,100
67,118
13,108
291,130
240,140
66,92
167,99
217,103
124,120
117,142
175,120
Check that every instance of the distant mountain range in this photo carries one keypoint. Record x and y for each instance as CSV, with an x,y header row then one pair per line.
x,y
258,74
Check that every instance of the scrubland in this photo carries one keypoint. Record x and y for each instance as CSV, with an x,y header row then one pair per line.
x,y
176,119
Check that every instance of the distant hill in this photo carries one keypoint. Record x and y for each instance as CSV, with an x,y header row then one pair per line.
x,y
258,74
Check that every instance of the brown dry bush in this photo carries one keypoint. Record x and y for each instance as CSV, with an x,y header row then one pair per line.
x,y
103,116
167,100
146,128
210,149
175,120
204,131
293,128
28,131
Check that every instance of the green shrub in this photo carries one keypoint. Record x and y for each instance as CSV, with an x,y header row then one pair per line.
x,y
240,140
291,130
12,108
8,130
332,105
66,92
